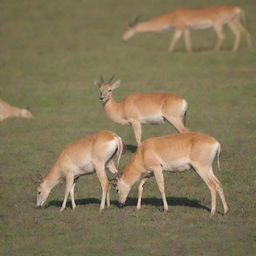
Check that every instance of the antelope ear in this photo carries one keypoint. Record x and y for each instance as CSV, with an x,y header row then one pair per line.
x,y
116,84
113,181
97,83
38,180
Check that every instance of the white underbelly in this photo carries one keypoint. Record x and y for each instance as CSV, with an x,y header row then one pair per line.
x,y
200,26
123,122
154,119
178,165
86,168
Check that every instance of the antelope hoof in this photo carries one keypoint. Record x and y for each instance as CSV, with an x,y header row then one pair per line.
x,y
212,213
101,210
62,209
226,211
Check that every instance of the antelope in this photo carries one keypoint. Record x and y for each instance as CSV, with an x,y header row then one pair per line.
x,y
6,111
176,152
86,156
137,108
184,20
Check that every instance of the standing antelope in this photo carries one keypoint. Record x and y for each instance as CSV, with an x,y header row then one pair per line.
x,y
177,152
92,153
138,108
183,20
6,111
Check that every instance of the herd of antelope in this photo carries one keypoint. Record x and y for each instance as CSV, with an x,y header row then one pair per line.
x,y
176,152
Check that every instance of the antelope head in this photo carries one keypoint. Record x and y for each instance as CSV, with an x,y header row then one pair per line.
x,y
122,189
26,113
131,29
42,191
106,88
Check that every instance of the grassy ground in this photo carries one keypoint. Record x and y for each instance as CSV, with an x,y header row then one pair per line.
x,y
51,53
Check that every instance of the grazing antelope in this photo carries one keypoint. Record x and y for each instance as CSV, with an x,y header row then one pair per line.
x,y
138,108
176,152
90,154
184,20
6,111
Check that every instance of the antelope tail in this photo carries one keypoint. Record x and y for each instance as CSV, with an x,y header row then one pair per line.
x,y
218,156
242,14
120,148
185,118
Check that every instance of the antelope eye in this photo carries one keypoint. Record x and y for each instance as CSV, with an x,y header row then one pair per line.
x,y
110,90
39,193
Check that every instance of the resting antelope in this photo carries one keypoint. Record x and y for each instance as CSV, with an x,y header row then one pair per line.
x,y
86,156
138,108
176,152
6,111
184,20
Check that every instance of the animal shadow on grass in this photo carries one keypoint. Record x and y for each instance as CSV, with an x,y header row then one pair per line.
x,y
131,148
58,203
172,201
195,49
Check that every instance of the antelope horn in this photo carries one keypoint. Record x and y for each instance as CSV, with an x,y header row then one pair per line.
x,y
110,80
134,22
101,79
113,181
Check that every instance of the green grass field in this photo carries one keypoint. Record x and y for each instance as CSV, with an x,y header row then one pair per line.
x,y
51,53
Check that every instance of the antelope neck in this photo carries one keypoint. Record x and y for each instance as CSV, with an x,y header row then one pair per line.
x,y
53,178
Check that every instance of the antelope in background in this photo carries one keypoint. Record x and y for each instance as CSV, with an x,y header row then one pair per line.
x,y
6,111
184,20
90,154
137,108
176,152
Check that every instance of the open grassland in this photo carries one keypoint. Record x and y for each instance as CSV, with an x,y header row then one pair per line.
x,y
51,53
